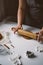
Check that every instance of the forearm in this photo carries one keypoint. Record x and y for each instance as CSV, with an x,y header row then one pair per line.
x,y
21,11
20,16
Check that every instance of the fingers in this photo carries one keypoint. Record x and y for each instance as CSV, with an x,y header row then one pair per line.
x,y
14,29
41,38
40,35
37,33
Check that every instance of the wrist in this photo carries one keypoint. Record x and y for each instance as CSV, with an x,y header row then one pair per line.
x,y
19,26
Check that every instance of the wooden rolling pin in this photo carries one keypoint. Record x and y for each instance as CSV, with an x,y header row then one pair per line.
x,y
27,34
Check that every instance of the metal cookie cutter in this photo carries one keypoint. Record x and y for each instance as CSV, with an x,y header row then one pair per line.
x,y
30,54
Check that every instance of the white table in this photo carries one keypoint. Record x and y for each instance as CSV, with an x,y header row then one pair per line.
x,y
22,45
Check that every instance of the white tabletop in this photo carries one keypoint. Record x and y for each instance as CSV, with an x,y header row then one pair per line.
x,y
22,45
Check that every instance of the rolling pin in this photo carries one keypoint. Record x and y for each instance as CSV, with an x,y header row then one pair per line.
x,y
27,34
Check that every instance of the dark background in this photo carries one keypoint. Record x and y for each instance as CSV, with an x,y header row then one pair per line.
x,y
8,12
8,8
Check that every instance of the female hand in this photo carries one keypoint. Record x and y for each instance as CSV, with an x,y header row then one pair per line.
x,y
15,29
40,35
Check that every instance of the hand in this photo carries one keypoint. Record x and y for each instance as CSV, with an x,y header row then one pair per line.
x,y
15,29
40,35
